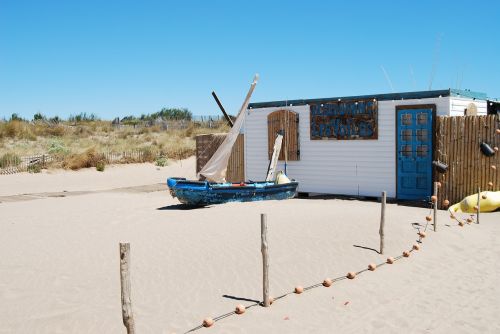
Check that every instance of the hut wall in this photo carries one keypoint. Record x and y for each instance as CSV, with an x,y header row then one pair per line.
x,y
459,104
344,167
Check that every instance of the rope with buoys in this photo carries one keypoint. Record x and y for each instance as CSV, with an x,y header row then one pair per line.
x,y
328,282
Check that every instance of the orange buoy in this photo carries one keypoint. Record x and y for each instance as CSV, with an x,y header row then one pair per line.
x,y
372,266
434,198
298,289
428,218
390,260
240,309
416,247
446,202
422,234
327,282
208,322
406,254
351,275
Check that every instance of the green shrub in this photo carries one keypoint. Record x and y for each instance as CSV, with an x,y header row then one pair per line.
x,y
147,154
16,117
55,120
161,161
57,147
99,166
35,168
9,160
39,117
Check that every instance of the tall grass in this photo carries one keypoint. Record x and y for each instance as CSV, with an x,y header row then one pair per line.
x,y
89,158
9,160
17,129
78,144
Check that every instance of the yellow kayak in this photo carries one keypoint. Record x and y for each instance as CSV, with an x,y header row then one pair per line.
x,y
489,201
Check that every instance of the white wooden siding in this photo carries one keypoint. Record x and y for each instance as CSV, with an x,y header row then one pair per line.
x,y
344,167
459,104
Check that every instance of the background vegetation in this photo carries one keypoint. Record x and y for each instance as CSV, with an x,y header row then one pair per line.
x,y
81,140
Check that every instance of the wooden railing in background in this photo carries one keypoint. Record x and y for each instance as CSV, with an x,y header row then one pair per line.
x,y
11,164
457,145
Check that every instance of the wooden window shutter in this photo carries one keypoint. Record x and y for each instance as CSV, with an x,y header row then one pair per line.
x,y
287,122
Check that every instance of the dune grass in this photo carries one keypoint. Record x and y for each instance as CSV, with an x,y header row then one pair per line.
x,y
81,144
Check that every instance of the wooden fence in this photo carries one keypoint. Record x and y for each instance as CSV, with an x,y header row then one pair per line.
x,y
10,164
130,156
457,145
208,122
206,145
236,165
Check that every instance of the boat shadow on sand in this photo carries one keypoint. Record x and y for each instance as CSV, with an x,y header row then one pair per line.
x,y
181,207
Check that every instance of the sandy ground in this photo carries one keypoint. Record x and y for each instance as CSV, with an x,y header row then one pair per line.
x,y
90,180
59,267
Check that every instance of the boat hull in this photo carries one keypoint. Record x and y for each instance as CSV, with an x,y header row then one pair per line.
x,y
200,193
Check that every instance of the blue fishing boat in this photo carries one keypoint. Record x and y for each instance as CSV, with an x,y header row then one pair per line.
x,y
202,193
214,189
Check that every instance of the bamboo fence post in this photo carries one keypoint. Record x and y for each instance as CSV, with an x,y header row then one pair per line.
x,y
127,315
265,259
382,221
478,203
435,207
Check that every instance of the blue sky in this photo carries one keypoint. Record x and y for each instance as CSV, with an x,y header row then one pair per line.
x,y
116,58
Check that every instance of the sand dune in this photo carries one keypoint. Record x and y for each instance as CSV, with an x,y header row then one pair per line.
x,y
59,268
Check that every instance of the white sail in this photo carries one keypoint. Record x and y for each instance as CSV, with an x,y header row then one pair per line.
x,y
215,169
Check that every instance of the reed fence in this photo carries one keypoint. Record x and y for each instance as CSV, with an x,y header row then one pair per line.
x,y
208,122
207,144
10,164
458,141
131,156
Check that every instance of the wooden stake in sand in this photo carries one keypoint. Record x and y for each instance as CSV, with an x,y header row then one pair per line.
x,y
128,317
265,259
478,203
382,222
435,205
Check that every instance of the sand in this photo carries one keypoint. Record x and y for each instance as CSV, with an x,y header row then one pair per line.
x,y
88,179
59,267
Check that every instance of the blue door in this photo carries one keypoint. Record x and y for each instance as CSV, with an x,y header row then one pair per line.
x,y
414,153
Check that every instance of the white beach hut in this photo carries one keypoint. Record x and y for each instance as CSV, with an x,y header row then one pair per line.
x,y
356,145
